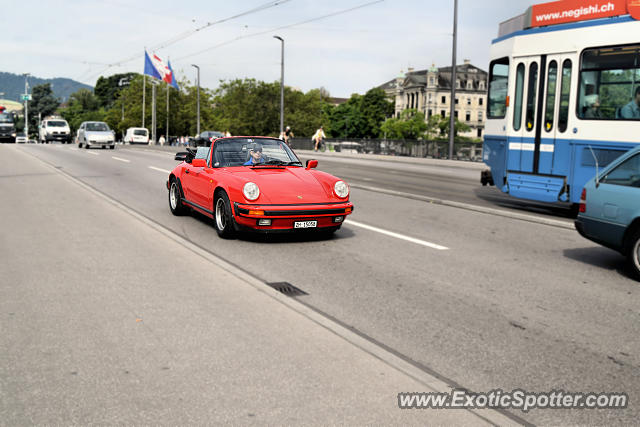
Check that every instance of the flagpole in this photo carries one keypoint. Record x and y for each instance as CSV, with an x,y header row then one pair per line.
x,y
167,138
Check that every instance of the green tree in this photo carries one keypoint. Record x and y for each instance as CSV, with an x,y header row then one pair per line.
x,y
43,103
375,109
108,88
444,125
410,125
82,106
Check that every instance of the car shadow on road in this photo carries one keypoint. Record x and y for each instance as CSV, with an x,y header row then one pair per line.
x,y
499,199
292,237
600,257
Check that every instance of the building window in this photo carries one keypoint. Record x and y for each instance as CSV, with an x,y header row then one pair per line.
x,y
431,81
442,113
455,114
429,113
480,101
469,84
430,97
444,99
479,133
479,116
468,116
481,85
456,101
468,101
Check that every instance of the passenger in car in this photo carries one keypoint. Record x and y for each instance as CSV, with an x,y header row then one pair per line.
x,y
632,109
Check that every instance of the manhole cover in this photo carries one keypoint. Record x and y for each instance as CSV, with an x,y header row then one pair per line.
x,y
287,288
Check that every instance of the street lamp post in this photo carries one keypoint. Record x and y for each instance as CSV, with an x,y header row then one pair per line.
x,y
281,84
26,105
452,119
198,102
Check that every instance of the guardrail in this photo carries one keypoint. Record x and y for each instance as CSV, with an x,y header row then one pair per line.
x,y
463,150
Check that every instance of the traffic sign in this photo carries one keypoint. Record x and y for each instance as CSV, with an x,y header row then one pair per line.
x,y
26,97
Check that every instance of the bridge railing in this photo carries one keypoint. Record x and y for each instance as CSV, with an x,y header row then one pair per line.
x,y
463,150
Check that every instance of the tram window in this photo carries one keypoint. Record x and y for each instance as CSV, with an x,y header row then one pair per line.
x,y
498,78
552,79
517,101
565,88
609,82
531,95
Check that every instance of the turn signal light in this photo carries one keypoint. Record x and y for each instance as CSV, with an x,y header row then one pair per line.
x,y
583,201
256,212
347,210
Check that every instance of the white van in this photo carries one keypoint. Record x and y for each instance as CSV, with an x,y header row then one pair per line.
x,y
54,129
136,136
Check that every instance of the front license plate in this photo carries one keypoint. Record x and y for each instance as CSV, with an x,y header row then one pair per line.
x,y
305,224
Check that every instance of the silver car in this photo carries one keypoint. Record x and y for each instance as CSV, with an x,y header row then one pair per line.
x,y
96,134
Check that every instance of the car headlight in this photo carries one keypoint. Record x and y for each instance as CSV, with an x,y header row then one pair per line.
x,y
341,189
251,191
13,135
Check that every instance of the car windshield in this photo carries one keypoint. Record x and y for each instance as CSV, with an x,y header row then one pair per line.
x,y
97,127
57,123
141,132
237,152
6,118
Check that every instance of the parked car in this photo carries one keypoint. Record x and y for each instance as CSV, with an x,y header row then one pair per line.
x,y
136,136
54,129
266,192
609,210
205,138
95,134
21,138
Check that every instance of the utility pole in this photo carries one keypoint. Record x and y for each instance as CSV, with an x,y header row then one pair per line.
x,y
26,105
153,111
144,91
121,83
281,84
452,119
198,103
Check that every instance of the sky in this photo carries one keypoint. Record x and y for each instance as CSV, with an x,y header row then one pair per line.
x,y
344,53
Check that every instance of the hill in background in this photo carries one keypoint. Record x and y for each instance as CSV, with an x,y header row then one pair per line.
x,y
13,86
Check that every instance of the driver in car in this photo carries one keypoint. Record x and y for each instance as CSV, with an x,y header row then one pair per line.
x,y
255,155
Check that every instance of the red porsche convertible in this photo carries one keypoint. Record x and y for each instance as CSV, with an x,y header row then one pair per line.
x,y
257,184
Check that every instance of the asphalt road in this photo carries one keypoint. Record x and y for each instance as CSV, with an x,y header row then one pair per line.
x,y
509,304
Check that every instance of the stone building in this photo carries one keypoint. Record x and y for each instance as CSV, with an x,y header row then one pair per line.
x,y
429,91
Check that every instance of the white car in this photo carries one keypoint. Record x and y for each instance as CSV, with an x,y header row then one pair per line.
x,y
54,129
136,136
95,134
21,138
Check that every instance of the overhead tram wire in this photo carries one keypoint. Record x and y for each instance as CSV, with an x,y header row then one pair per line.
x,y
340,12
189,33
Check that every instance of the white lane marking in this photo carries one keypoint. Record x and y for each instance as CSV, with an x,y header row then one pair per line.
x,y
367,179
397,235
159,170
92,153
73,148
120,159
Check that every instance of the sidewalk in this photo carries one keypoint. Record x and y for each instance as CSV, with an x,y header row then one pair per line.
x,y
106,320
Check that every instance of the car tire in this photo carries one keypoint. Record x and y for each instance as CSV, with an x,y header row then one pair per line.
x,y
175,199
112,147
633,253
222,217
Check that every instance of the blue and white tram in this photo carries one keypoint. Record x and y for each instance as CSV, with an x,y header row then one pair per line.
x,y
561,104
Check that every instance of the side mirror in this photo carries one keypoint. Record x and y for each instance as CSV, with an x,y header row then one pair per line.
x,y
312,164
181,156
199,163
